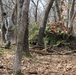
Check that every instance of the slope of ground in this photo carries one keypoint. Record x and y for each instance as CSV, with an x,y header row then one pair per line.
x,y
54,64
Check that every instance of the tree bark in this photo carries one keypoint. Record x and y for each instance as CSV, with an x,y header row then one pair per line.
x,y
57,10
72,8
42,28
71,13
1,4
55,17
68,12
23,8
26,43
36,9
71,23
2,25
14,15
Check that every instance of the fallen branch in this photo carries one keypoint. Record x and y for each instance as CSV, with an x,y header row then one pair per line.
x,y
32,72
40,52
38,47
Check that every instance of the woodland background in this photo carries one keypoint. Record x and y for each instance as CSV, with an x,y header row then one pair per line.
x,y
45,31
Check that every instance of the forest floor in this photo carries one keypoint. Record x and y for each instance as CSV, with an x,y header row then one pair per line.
x,y
63,63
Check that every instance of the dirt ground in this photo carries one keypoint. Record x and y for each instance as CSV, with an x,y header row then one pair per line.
x,y
53,64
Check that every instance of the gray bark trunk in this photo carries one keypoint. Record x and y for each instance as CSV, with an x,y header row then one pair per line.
x,y
23,8
14,15
57,10
42,28
71,13
55,17
72,8
2,25
36,9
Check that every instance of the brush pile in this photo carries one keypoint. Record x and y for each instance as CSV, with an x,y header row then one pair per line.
x,y
58,27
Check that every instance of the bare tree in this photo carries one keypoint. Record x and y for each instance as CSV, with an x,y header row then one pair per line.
x,y
71,16
42,28
57,10
72,8
2,23
23,8
36,9
14,14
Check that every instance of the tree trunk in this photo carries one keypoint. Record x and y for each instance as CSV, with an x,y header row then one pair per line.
x,y
42,28
36,9
71,23
67,22
23,8
1,8
2,26
71,13
14,14
68,12
57,10
72,9
55,17
36,14
26,42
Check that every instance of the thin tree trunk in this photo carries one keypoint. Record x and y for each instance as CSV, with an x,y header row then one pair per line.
x,y
72,9
68,12
71,13
2,26
71,23
55,17
42,28
1,4
14,14
67,15
36,9
57,10
26,42
36,14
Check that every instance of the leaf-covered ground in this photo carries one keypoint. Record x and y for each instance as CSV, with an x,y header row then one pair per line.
x,y
54,64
